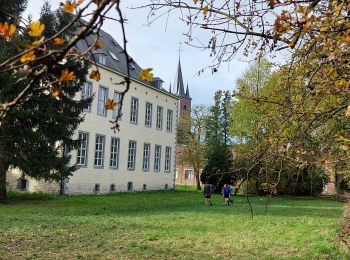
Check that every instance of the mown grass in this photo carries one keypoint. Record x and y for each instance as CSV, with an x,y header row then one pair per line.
x,y
166,225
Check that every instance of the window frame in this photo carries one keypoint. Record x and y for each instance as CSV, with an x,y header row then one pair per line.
x,y
132,155
134,112
102,151
157,160
167,161
117,107
169,121
84,96
100,100
159,118
148,114
87,149
146,158
114,153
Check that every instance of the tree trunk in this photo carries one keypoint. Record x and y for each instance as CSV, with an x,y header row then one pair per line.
x,y
198,183
3,169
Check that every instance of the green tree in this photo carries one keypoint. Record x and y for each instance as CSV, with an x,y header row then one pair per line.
x,y
192,148
35,133
218,142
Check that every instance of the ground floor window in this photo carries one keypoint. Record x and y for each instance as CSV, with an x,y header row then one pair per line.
x,y
189,174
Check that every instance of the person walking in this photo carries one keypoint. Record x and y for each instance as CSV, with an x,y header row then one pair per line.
x,y
207,194
227,194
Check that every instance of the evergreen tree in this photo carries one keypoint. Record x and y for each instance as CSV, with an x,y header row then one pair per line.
x,y
34,134
219,162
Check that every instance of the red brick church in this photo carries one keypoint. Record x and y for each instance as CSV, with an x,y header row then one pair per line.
x,y
184,173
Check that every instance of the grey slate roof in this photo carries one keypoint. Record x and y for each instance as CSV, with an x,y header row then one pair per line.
x,y
111,48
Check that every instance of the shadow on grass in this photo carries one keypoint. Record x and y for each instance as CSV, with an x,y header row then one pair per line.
x,y
25,197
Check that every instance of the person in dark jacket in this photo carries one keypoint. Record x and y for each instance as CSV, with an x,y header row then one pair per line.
x,y
207,194
227,190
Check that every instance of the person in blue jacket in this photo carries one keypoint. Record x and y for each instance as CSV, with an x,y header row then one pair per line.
x,y
227,194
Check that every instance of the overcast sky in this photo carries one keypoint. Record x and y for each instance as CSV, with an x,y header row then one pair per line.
x,y
156,46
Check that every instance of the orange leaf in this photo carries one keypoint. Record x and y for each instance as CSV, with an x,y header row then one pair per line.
x,y
7,30
58,41
29,56
66,75
69,6
110,104
56,92
205,9
98,44
36,28
95,75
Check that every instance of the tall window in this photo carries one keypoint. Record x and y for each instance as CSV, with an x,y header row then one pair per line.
x,y
189,174
86,92
167,158
114,160
146,156
83,149
117,96
101,103
134,110
159,123
131,155
148,114
169,120
157,152
99,150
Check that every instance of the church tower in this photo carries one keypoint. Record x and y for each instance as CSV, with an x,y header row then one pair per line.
x,y
179,90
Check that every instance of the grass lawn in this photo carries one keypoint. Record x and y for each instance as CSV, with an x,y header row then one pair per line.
x,y
173,224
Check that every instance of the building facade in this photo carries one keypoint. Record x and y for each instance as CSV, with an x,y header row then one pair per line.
x,y
139,157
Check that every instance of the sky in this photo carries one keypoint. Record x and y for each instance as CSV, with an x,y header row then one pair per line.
x,y
156,46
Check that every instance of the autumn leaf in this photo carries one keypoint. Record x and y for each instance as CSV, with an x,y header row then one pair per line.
x,y
58,41
56,92
291,44
29,56
205,9
34,44
195,1
338,9
69,6
146,74
110,104
67,75
36,29
341,82
7,30
98,44
95,75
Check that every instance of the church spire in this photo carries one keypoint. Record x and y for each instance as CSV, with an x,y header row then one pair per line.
x,y
187,91
178,88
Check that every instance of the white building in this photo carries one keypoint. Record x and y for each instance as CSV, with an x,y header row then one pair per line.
x,y
141,156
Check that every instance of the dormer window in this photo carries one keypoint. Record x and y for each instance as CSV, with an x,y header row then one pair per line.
x,y
113,56
132,66
101,59
114,42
